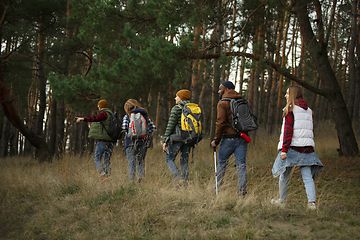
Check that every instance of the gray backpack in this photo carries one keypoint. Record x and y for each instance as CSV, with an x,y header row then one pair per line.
x,y
138,127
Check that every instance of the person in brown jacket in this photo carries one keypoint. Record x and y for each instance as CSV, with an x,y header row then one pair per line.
x,y
231,141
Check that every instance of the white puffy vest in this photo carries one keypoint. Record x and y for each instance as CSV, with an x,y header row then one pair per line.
x,y
303,135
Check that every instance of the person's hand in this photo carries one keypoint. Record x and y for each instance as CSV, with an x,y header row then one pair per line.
x,y
213,144
164,147
283,155
79,119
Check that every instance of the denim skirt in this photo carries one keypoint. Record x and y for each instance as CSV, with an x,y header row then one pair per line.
x,y
294,158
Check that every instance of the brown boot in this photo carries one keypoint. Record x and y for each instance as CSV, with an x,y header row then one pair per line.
x,y
104,177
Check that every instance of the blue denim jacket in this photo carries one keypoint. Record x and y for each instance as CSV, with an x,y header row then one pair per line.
x,y
294,158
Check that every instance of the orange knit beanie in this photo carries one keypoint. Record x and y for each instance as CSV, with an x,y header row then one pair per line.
x,y
184,94
102,104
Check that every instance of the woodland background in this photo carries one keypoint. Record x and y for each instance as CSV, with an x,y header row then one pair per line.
x,y
60,57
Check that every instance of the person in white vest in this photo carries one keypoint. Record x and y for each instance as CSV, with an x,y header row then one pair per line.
x,y
296,147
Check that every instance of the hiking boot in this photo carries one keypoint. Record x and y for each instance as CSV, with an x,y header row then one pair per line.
x,y
180,183
184,183
104,177
242,193
278,203
311,206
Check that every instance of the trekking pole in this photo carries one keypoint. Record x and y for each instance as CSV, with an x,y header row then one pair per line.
x,y
216,185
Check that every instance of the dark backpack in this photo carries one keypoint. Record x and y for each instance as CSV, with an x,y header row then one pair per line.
x,y
243,120
114,129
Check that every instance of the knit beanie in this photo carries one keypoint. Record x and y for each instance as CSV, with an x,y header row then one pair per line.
x,y
184,94
228,85
102,104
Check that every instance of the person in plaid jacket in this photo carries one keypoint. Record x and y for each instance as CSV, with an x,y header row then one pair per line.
x,y
136,148
104,144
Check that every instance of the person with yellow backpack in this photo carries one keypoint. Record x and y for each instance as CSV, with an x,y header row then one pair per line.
x,y
183,131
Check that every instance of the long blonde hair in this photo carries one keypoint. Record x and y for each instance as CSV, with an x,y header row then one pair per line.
x,y
131,104
295,92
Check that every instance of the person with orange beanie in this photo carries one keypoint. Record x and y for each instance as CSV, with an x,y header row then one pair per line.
x,y
105,144
173,148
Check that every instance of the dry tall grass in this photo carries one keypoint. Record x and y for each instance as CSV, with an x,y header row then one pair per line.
x,y
66,199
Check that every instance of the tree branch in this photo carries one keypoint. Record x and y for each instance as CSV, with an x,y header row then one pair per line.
x,y
212,44
276,67
3,17
319,21
90,59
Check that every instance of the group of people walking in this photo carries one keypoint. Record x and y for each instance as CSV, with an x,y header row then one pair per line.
x,y
296,143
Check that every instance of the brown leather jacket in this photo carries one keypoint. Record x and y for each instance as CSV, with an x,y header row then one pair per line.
x,y
223,120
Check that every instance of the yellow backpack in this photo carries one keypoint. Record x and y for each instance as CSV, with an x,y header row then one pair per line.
x,y
191,131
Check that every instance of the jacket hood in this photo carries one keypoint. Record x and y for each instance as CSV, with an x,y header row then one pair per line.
x,y
182,103
301,103
231,94
104,110
139,110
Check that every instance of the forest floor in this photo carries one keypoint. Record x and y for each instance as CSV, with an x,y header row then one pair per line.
x,y
66,199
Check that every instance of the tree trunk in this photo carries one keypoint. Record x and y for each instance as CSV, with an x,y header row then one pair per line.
x,y
83,137
52,128
60,128
216,71
259,68
351,54
162,112
231,40
241,75
215,96
60,137
273,110
283,63
357,96
170,97
41,86
315,97
356,115
250,88
267,101
14,140
5,138
347,140
195,77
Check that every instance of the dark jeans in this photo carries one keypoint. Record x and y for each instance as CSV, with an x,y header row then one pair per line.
x,y
173,150
228,146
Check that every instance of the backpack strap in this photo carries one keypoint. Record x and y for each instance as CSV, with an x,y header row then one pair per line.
x,y
108,114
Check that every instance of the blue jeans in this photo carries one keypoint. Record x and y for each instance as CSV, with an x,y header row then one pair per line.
x,y
103,150
307,179
136,158
228,146
173,150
